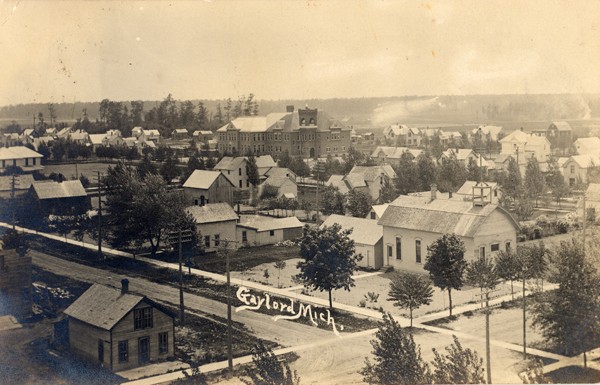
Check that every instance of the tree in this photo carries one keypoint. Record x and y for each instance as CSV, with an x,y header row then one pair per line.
x,y
535,185
457,366
482,273
556,181
513,184
146,167
279,265
358,203
388,191
252,171
508,268
410,291
406,172
307,207
446,264
268,370
570,315
426,171
329,259
169,170
332,201
353,158
397,359
269,192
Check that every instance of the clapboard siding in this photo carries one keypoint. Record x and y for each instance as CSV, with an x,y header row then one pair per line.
x,y
83,339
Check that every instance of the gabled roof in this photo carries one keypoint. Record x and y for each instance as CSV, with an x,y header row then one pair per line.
x,y
180,131
212,212
394,152
22,182
278,181
280,171
365,231
103,306
97,138
80,135
561,126
493,131
18,152
260,223
438,216
380,209
201,132
202,179
588,145
355,180
55,190
254,123
152,132
370,173
461,153
338,182
515,136
584,161
230,163
265,161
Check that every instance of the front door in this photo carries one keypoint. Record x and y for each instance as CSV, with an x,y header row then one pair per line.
x,y
144,350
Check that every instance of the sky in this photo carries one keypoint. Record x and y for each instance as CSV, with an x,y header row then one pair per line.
x,y
59,51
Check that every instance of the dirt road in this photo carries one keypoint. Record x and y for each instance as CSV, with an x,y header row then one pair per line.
x,y
285,333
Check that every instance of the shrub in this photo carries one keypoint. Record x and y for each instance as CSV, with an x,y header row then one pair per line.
x,y
561,226
538,232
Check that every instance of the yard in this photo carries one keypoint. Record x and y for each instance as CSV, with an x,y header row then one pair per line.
x,y
71,170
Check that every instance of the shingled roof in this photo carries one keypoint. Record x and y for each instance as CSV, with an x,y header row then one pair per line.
x,y
365,231
201,179
103,306
18,152
438,216
212,212
55,190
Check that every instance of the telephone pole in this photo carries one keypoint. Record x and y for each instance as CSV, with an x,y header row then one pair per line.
x,y
229,338
99,217
181,306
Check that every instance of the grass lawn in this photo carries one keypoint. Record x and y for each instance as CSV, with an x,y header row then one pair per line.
x,y
90,170
574,375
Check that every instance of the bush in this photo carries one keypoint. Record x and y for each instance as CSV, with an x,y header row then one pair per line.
x,y
542,221
561,226
538,232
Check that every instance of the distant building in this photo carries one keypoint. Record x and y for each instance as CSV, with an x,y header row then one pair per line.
x,y
64,198
10,139
309,133
235,169
258,230
402,135
367,236
576,169
377,211
371,177
264,163
592,203
204,187
280,171
20,156
485,132
202,136
392,155
284,185
180,134
587,146
559,130
215,222
15,283
410,224
464,156
120,330
525,146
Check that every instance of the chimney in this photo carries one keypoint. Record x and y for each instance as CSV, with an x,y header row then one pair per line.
x,y
433,192
289,108
124,286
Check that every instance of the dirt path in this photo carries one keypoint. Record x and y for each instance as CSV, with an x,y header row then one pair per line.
x,y
285,333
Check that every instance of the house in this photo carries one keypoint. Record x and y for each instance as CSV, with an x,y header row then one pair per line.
x,y
587,146
592,202
10,139
118,329
15,283
203,187
64,198
180,134
403,135
367,236
470,190
258,230
280,171
372,177
215,222
527,145
20,156
559,130
234,169
464,156
485,132
202,136
22,184
46,140
150,136
392,155
284,185
410,224
377,211
339,182
578,168
501,161
264,163
448,138
28,135
63,133
80,137
309,133
137,131
97,140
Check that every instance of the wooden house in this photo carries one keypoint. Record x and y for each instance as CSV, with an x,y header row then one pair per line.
x,y
119,330
65,198
20,156
215,222
203,187
258,230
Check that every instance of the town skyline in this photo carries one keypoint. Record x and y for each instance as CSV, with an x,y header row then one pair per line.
x,y
124,51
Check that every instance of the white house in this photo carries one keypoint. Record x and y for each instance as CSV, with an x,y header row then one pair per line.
x,y
527,145
392,155
215,222
411,224
587,146
20,156
576,169
235,170
259,230
284,185
367,236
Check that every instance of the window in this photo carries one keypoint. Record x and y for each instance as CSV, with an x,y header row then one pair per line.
x,y
481,251
572,169
240,183
123,351
495,246
373,215
100,350
398,248
418,250
272,233
26,162
163,343
239,171
390,250
244,236
207,240
507,247
142,318
217,240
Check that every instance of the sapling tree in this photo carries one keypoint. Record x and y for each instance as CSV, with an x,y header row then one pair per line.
x,y
410,291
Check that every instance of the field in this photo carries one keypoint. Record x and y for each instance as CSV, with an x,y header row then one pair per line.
x,y
72,170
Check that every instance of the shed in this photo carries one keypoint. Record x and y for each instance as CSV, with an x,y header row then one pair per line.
x,y
259,230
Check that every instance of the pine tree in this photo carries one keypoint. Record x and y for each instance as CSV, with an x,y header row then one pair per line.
x,y
397,358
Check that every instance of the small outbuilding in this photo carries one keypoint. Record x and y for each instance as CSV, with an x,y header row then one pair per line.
x,y
259,230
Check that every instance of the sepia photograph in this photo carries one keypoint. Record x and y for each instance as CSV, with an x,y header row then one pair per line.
x,y
296,192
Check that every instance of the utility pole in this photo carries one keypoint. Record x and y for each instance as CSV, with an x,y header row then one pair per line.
x,y
181,307
488,365
99,217
12,200
524,318
229,339
584,255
